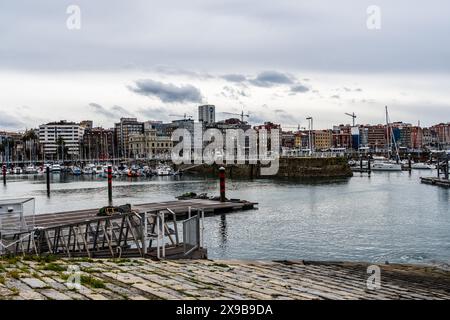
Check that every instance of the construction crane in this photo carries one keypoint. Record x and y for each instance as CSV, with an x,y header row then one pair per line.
x,y
239,114
353,115
184,116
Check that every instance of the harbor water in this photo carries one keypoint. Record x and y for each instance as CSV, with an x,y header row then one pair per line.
x,y
389,216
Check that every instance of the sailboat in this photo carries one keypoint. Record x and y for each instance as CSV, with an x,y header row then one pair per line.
x,y
387,165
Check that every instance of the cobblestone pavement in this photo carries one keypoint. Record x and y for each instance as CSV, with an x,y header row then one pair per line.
x,y
34,278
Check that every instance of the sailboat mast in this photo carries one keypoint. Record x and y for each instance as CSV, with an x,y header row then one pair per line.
x,y
387,134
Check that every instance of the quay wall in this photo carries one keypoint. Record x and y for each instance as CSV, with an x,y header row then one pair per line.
x,y
288,168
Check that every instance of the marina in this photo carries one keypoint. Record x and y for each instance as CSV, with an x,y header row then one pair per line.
x,y
353,219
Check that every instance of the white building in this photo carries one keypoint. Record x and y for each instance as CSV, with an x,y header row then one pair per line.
x,y
70,132
207,113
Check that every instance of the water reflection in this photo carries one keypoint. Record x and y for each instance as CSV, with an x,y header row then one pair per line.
x,y
389,216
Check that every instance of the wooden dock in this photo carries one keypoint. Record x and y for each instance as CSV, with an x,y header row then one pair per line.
x,y
83,233
436,181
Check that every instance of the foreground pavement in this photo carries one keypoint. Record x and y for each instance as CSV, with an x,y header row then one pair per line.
x,y
34,278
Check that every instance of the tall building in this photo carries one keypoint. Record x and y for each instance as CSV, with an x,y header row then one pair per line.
x,y
57,138
123,130
207,113
322,139
98,143
443,134
376,137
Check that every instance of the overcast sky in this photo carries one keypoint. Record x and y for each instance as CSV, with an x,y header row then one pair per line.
x,y
278,60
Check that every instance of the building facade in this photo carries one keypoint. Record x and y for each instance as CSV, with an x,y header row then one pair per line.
x,y
150,145
59,139
123,130
207,113
98,144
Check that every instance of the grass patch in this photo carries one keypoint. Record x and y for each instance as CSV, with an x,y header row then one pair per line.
x,y
14,274
2,279
54,267
45,258
92,282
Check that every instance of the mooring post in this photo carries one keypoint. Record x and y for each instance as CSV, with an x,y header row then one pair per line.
x,y
47,173
409,162
360,163
110,185
4,174
222,183
369,169
446,166
438,167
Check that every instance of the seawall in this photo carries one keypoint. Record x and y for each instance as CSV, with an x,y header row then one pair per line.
x,y
288,168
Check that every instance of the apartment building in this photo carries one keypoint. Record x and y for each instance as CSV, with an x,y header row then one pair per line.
x,y
62,134
123,130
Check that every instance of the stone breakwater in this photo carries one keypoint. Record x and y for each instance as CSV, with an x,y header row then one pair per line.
x,y
141,279
288,168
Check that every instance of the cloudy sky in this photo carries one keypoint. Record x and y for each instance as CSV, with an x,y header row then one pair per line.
x,y
278,60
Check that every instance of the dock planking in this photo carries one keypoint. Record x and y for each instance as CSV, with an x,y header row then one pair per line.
x,y
83,233
180,207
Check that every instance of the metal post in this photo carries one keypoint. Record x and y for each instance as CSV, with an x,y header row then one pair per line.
x,y
446,167
110,185
369,169
409,162
4,174
222,183
144,234
202,227
47,172
163,236
361,163
189,212
158,255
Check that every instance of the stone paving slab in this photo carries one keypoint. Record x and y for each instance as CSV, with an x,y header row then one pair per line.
x,y
144,279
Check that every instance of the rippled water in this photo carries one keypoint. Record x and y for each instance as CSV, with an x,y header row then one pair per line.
x,y
389,216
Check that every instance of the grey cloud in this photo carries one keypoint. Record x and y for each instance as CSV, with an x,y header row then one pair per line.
x,y
269,79
122,111
336,96
234,77
251,34
232,93
115,112
167,92
154,113
10,122
101,110
299,88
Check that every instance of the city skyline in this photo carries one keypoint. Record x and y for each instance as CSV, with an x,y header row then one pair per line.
x,y
279,64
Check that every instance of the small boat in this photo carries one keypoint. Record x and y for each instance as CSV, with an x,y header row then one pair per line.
x,y
421,166
17,170
386,166
88,169
76,171
55,168
164,170
31,170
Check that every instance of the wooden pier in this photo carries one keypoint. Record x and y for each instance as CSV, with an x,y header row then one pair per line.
x,y
436,181
83,233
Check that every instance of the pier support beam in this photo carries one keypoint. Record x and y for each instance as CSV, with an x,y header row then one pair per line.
x,y
110,185
4,174
409,162
47,173
222,183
